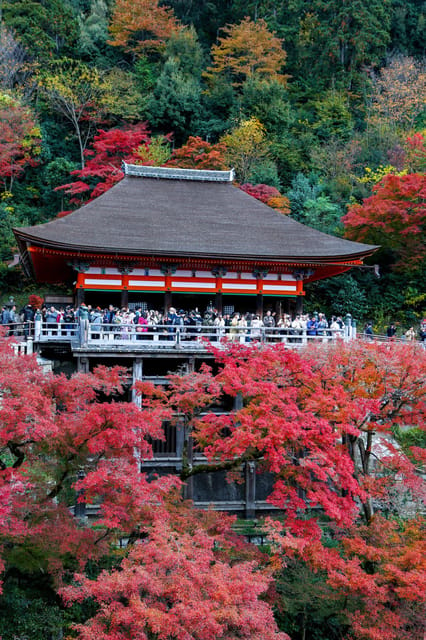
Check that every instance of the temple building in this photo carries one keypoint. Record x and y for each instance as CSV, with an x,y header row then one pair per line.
x,y
190,238
166,236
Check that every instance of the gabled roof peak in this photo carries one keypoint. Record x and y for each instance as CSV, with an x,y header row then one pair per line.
x,y
173,173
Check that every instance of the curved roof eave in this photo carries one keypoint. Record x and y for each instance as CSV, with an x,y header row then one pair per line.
x,y
156,217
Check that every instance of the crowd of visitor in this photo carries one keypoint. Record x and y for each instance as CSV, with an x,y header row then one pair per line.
x,y
235,326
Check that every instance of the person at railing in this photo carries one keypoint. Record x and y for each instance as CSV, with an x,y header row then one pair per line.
x,y
312,326
108,315
410,335
284,324
96,323
422,332
219,323
233,327
141,319
296,328
5,316
127,323
52,320
268,322
322,325
391,331
82,315
256,328
368,331
173,320
27,318
68,320
243,328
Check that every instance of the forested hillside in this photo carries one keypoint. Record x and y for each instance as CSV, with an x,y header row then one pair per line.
x,y
322,100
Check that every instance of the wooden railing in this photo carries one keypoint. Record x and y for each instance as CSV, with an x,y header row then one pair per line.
x,y
148,337
133,337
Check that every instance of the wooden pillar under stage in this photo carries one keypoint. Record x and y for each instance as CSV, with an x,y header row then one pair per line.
x,y
250,486
137,376
259,304
124,298
299,305
83,365
188,487
79,297
167,301
218,302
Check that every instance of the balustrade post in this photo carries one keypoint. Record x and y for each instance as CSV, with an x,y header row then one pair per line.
x,y
30,346
84,329
37,330
348,321
304,337
353,332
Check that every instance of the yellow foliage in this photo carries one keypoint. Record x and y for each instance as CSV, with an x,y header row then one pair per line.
x,y
245,146
371,177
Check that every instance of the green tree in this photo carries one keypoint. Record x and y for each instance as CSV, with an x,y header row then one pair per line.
x,y
122,99
332,117
79,94
175,102
303,188
268,101
45,27
332,41
93,29
408,27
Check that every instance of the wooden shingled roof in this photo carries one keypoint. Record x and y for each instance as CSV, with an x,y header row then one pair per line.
x,y
187,214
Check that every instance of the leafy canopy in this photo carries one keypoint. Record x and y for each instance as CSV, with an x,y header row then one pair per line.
x,y
247,49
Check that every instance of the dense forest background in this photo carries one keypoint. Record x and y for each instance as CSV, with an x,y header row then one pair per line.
x,y
320,99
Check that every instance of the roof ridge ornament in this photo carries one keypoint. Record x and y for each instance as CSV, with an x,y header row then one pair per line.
x,y
174,173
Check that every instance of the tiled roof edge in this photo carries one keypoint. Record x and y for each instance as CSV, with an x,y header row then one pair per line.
x,y
173,173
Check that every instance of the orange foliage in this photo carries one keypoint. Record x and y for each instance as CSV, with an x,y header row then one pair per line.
x,y
199,154
141,25
246,50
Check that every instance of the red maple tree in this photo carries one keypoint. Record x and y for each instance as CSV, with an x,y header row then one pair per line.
x,y
19,140
268,195
197,153
103,167
319,422
61,444
394,217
